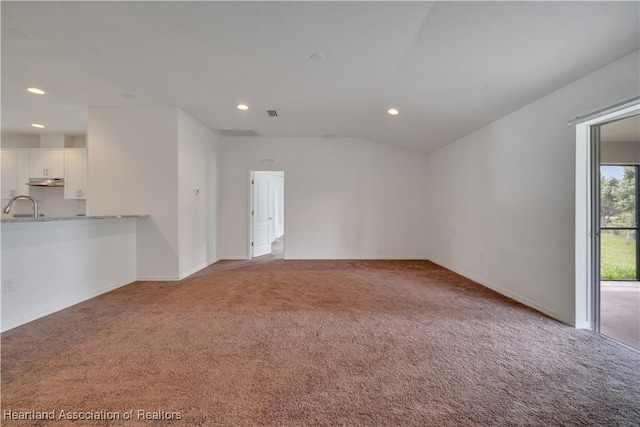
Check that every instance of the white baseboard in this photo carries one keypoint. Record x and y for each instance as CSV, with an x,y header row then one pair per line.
x,y
13,323
583,325
509,294
336,257
357,257
158,278
192,271
176,278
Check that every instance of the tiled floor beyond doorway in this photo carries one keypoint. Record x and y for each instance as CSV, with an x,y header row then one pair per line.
x,y
277,248
620,311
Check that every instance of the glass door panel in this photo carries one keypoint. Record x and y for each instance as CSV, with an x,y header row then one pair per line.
x,y
619,296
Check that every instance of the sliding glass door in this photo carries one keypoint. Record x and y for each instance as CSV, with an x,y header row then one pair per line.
x,y
619,251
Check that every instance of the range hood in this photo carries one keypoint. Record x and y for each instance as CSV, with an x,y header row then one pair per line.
x,y
46,182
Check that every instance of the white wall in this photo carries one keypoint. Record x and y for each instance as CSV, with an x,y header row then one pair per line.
x,y
20,141
133,169
197,173
77,141
344,197
150,160
502,198
52,203
53,265
11,140
55,140
213,204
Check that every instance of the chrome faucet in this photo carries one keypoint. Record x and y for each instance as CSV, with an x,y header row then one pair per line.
x,y
36,212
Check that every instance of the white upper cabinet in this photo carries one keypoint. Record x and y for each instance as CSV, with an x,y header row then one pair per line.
x,y
15,173
45,163
75,169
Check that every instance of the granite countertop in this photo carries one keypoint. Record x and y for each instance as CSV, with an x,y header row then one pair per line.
x,y
68,218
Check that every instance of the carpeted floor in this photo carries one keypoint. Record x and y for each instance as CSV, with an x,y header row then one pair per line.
x,y
302,343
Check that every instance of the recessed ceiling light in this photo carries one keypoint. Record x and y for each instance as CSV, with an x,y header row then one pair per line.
x,y
37,125
243,107
393,111
317,56
35,90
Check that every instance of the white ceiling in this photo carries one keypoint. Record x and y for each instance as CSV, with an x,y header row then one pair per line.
x,y
449,67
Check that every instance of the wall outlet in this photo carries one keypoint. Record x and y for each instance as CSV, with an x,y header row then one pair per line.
x,y
7,285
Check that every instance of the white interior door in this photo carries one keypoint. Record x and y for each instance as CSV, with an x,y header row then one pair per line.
x,y
261,215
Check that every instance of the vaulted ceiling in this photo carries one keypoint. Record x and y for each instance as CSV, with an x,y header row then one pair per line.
x,y
448,67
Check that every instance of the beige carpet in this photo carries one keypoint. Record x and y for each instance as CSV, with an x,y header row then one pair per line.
x,y
295,343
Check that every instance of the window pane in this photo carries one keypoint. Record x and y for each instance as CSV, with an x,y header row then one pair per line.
x,y
618,196
618,254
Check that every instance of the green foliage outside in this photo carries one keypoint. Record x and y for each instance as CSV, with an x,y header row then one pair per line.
x,y
617,256
618,199
617,209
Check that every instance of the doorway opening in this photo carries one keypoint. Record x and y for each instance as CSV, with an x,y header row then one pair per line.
x,y
266,214
619,290
607,223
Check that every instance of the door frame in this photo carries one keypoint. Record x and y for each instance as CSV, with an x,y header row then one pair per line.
x,y
252,209
587,223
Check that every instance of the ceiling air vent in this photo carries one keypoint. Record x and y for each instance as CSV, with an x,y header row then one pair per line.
x,y
272,113
237,132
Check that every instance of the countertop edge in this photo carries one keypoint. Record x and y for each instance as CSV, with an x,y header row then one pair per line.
x,y
68,218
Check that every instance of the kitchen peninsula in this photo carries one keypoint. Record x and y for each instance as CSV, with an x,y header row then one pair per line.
x,y
50,263
157,161
67,218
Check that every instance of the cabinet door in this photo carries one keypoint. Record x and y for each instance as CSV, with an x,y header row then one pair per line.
x,y
8,174
15,173
46,163
74,174
22,172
